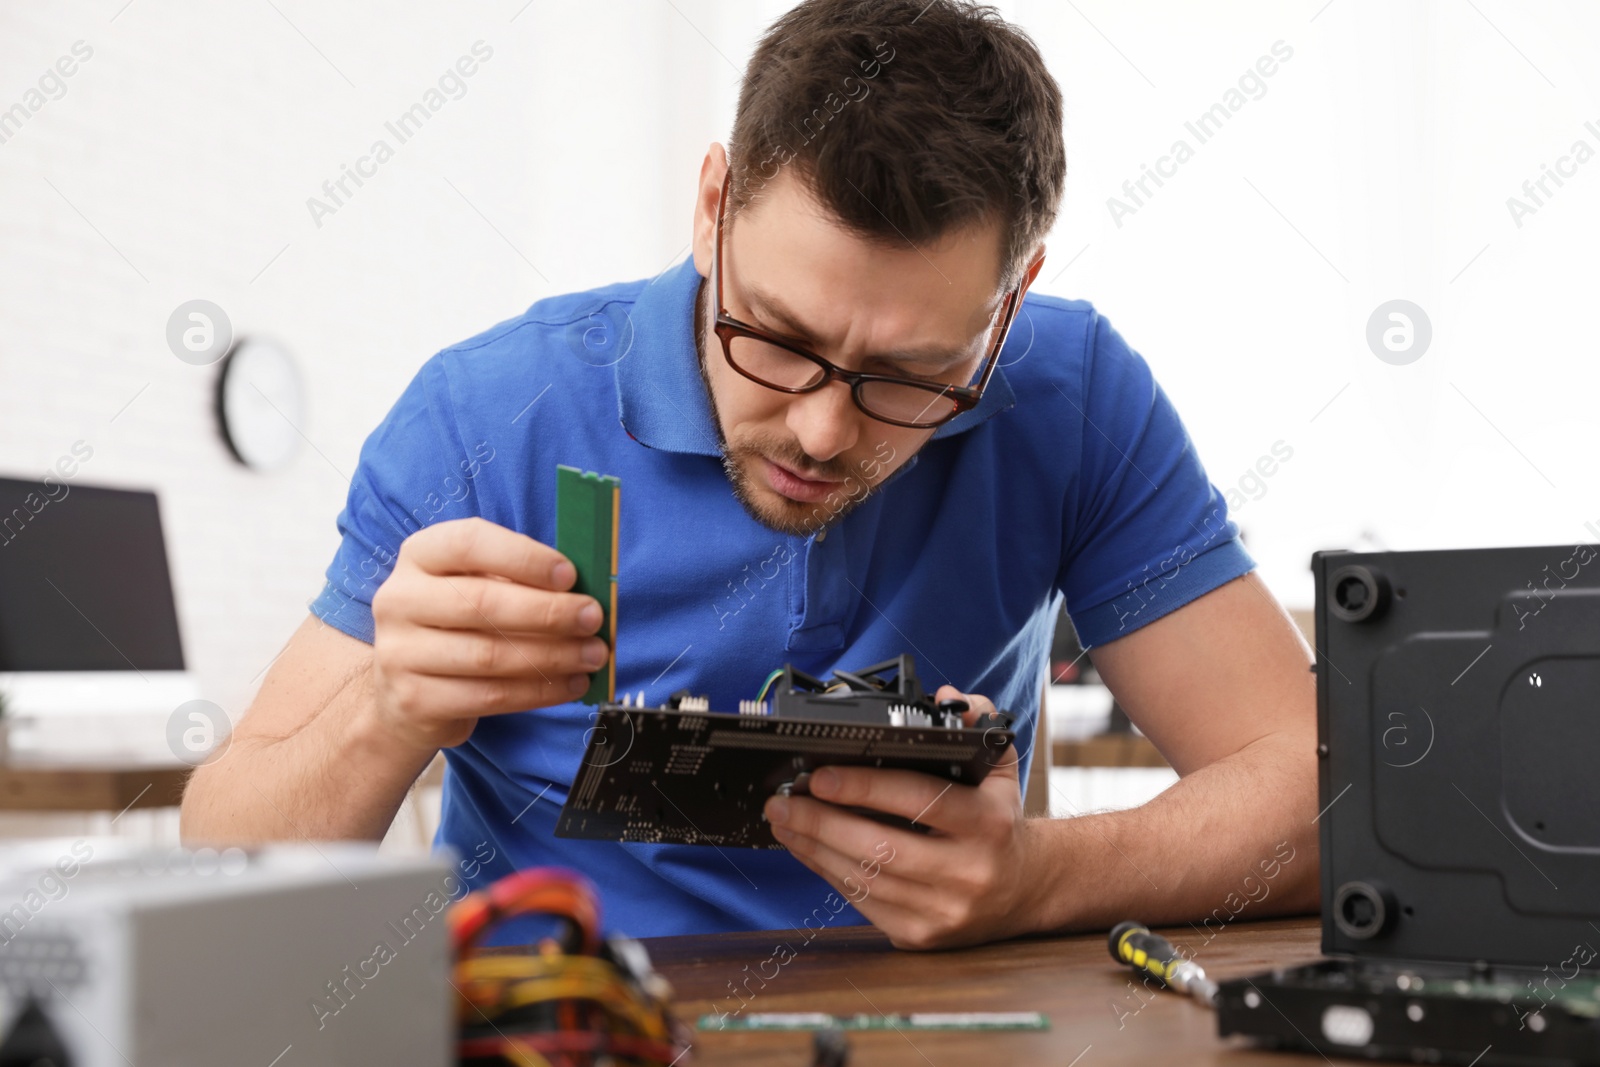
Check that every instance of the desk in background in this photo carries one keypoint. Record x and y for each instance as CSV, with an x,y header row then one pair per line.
x,y
63,785
1094,1014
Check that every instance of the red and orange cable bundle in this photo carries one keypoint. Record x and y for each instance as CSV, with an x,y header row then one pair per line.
x,y
575,999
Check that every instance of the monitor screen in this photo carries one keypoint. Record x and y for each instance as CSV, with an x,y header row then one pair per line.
x,y
84,584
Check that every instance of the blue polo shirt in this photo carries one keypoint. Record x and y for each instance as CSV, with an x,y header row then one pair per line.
x,y
1072,478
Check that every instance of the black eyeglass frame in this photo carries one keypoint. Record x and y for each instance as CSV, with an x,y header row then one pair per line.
x,y
965,398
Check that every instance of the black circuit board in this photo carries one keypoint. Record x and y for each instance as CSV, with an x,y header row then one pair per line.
x,y
702,778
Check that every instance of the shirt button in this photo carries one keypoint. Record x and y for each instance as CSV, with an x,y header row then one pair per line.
x,y
822,535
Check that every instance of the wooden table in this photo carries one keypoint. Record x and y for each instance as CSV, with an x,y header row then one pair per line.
x,y
1095,1017
40,785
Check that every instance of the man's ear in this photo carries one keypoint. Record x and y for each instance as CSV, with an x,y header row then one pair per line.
x,y
1031,273
712,169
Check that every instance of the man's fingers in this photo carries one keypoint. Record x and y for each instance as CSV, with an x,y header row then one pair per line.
x,y
847,833
1002,760
921,798
477,546
875,875
977,704
466,602
883,906
910,913
440,700
480,653
478,620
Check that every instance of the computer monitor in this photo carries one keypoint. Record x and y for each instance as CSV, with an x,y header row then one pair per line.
x,y
91,662
84,583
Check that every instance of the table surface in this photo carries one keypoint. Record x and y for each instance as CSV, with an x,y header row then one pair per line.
x,y
1096,1017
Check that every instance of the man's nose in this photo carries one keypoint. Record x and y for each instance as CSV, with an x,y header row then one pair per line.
x,y
825,422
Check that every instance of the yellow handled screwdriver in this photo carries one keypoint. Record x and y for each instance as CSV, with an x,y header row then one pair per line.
x,y
1133,943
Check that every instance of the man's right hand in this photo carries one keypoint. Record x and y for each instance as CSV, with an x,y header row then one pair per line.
x,y
476,620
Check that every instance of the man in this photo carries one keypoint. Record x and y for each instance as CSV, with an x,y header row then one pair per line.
x,y
827,459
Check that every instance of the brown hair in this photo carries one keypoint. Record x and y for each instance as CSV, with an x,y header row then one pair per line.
x,y
906,119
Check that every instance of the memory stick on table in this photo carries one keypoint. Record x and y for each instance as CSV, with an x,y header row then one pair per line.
x,y
926,1020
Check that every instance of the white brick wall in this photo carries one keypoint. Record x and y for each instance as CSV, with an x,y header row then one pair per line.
x,y
191,140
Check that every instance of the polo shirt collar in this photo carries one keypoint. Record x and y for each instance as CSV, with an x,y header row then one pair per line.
x,y
661,398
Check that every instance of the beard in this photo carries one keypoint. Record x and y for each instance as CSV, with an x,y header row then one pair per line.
x,y
741,462
795,518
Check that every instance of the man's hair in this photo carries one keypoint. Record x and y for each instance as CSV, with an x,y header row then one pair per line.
x,y
905,119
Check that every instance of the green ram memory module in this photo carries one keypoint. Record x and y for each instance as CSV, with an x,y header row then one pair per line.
x,y
588,508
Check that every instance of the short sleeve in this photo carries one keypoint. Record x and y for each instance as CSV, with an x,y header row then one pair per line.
x,y
413,472
1146,531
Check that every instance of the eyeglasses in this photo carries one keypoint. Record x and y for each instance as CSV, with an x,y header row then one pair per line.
x,y
782,365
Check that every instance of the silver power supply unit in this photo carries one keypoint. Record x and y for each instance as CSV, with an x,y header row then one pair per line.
x,y
287,956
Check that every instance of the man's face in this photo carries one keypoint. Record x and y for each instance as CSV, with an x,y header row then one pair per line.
x,y
798,462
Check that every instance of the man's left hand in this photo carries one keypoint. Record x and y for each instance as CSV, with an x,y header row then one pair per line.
x,y
965,882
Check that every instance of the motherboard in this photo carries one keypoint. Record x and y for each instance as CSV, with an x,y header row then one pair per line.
x,y
682,773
